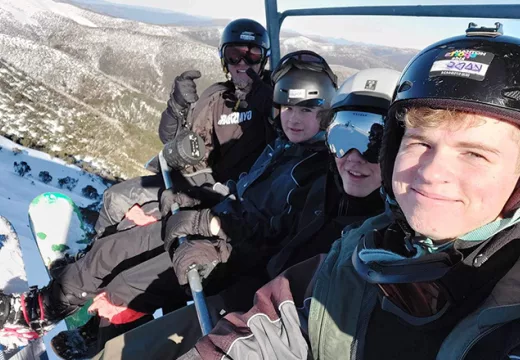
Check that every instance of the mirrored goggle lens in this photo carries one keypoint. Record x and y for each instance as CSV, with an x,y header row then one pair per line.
x,y
356,130
252,55
422,299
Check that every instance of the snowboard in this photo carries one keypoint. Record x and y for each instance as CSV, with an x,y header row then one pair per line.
x,y
61,234
13,279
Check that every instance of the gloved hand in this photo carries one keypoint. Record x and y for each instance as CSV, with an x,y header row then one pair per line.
x,y
184,90
194,196
189,222
169,198
204,254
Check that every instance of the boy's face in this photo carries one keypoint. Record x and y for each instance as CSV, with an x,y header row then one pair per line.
x,y
449,182
359,177
299,123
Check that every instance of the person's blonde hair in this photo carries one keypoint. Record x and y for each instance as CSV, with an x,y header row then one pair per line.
x,y
425,117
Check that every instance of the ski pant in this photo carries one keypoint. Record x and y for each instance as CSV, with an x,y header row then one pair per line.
x,y
172,335
134,270
130,266
119,198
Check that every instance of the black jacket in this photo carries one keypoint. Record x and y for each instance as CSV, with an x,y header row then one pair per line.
x,y
235,133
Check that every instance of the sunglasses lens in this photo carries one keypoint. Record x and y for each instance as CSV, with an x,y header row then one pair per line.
x,y
252,55
233,54
356,130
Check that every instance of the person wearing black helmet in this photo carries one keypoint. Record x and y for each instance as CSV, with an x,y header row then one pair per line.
x,y
348,194
231,117
437,276
139,274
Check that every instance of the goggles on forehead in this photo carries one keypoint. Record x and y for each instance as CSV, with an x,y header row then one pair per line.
x,y
362,131
305,60
251,54
303,56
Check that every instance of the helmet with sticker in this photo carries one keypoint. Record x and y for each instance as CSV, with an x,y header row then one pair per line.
x,y
472,73
369,88
245,32
477,74
303,78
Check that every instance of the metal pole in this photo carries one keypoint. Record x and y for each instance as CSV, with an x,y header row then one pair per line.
x,y
273,28
495,11
193,274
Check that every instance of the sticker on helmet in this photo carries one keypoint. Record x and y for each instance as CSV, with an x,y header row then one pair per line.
x,y
470,64
371,84
296,93
247,35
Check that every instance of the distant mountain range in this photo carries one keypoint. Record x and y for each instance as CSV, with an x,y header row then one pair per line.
x,y
90,85
146,14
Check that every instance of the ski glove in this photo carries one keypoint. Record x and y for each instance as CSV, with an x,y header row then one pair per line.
x,y
205,255
170,199
184,91
192,197
188,222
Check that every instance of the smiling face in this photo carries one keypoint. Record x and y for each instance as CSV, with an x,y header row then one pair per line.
x,y
237,65
239,76
454,177
299,123
359,177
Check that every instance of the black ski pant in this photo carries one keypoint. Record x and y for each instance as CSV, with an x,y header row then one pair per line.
x,y
134,270
130,266
119,198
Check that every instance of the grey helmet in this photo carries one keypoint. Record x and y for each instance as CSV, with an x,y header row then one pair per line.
x,y
304,88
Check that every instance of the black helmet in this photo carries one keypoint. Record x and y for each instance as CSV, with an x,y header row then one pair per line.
x,y
478,72
303,80
248,32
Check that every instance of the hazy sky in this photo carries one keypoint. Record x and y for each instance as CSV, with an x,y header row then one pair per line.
x,y
392,31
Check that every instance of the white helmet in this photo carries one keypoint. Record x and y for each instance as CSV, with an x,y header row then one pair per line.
x,y
359,108
360,89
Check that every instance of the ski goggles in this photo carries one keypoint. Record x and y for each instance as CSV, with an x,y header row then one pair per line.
x,y
358,130
304,60
251,54
415,289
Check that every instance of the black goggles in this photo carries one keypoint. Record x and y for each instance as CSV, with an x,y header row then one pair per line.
x,y
412,288
251,54
358,130
305,60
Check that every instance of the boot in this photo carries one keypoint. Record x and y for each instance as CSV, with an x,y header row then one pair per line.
x,y
21,318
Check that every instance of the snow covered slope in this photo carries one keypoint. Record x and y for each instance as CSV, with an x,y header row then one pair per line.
x,y
26,173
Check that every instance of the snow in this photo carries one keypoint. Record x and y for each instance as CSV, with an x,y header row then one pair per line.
x,y
16,193
25,11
